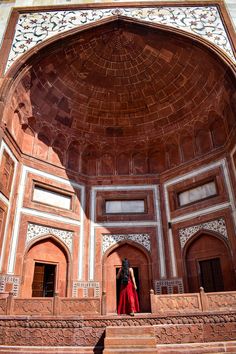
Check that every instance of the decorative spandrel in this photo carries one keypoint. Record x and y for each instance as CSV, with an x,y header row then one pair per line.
x,y
109,240
36,231
218,226
204,21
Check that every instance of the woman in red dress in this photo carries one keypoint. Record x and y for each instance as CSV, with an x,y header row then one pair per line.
x,y
128,299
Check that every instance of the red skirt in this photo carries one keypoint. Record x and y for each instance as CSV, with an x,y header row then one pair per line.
x,y
128,300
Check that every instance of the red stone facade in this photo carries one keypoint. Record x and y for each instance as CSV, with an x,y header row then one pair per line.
x,y
117,140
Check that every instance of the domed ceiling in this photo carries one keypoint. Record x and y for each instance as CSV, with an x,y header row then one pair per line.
x,y
125,81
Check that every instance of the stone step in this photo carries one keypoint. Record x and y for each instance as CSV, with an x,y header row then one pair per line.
x,y
147,331
138,341
129,351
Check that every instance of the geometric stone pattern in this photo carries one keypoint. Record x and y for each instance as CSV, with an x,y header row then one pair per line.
x,y
85,285
10,279
217,225
109,240
78,306
35,231
222,301
30,307
36,331
175,303
204,21
169,284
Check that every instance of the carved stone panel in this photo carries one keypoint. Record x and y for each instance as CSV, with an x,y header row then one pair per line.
x,y
33,307
3,306
109,240
35,231
175,303
10,279
224,301
6,173
79,306
217,225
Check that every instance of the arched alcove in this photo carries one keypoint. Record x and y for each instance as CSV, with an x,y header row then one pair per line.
x,y
208,263
45,269
139,261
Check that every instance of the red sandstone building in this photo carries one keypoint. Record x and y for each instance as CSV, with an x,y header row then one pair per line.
x,y
117,140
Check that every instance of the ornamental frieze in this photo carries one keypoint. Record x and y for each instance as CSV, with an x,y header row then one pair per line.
x,y
217,225
35,27
109,240
35,231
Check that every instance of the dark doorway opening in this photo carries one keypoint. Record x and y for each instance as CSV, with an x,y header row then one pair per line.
x,y
44,280
211,275
118,283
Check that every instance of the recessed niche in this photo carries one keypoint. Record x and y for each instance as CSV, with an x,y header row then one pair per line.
x,y
124,206
50,197
198,193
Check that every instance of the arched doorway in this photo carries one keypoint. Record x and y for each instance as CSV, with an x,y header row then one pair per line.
x,y
45,269
208,264
139,262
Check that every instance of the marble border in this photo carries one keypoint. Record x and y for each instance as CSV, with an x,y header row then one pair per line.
x,y
204,21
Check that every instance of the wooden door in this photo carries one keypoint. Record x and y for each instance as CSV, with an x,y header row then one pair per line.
x,y
211,275
44,280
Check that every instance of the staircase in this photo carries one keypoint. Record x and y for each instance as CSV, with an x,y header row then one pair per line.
x,y
140,340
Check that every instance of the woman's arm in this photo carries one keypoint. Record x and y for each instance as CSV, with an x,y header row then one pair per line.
x,y
132,277
118,274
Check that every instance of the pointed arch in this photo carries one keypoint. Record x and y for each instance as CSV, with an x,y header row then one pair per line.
x,y
46,251
208,263
141,263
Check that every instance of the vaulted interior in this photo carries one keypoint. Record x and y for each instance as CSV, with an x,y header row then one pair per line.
x,y
123,98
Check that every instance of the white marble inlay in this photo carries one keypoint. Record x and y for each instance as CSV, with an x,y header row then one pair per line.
x,y
50,197
124,206
204,21
109,240
198,193
36,231
218,226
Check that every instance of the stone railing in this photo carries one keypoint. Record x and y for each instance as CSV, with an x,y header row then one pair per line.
x,y
59,306
160,304
193,302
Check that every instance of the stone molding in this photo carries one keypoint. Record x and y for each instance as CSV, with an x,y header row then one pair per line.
x,y
36,231
109,240
96,322
217,225
35,27
10,279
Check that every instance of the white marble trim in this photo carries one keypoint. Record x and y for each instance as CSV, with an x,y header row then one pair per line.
x,y
8,202
35,27
221,163
20,210
156,224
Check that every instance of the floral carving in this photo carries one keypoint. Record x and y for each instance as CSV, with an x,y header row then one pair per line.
x,y
88,332
204,21
178,334
81,306
32,307
218,226
35,231
3,306
109,240
178,303
224,301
